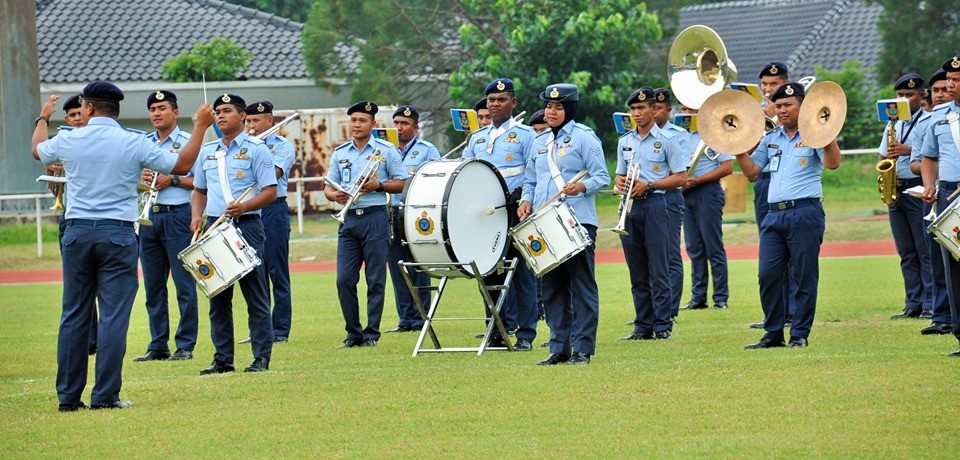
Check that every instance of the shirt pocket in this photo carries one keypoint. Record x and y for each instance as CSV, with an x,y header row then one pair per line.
x,y
241,165
656,156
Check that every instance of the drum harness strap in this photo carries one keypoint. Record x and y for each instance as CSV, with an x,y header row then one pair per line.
x,y
552,163
954,120
495,134
222,171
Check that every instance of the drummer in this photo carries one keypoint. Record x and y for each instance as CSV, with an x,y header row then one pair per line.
x,y
570,292
507,144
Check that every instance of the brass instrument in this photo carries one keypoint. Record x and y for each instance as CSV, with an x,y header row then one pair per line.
x,y
822,114
626,203
887,167
58,190
698,66
277,127
730,121
149,200
700,152
355,192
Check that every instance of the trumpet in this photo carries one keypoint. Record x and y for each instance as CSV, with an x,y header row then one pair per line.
x,y
58,190
151,198
626,203
355,192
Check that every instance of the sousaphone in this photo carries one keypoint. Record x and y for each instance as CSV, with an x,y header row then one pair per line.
x,y
822,114
730,121
698,65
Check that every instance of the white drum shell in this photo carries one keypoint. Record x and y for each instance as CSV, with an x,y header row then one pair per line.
x,y
445,220
219,259
946,229
550,237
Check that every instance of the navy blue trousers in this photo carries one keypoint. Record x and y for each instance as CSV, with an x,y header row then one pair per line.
x,y
255,293
62,225
406,309
276,257
99,264
362,241
572,302
159,245
952,267
519,309
703,231
647,253
790,247
675,212
906,223
939,298
760,209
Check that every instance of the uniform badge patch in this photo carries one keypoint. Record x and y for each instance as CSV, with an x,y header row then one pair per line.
x,y
657,144
509,156
239,174
566,139
562,153
176,145
656,168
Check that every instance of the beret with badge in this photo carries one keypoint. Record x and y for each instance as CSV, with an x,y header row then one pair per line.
x,y
407,111
644,94
661,95
561,92
102,91
789,89
774,69
538,118
260,107
939,75
160,96
366,107
500,85
231,99
909,81
952,65
480,105
73,102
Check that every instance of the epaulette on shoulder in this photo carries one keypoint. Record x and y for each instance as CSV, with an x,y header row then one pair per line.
x,y
668,134
343,145
384,144
523,127
425,143
254,140
583,127
543,133
136,131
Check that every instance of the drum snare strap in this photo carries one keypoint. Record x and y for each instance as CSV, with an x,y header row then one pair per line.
x,y
222,171
552,163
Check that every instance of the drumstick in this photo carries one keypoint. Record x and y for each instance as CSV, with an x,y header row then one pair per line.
x,y
195,235
204,77
560,193
223,216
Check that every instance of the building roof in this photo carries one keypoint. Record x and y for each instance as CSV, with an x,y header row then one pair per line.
x,y
138,36
800,34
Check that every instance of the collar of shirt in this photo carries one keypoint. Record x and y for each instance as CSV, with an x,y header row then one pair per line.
x,y
654,131
236,141
370,144
155,136
407,149
103,121
495,132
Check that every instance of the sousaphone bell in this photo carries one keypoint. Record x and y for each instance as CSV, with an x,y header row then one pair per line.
x,y
730,121
698,65
822,114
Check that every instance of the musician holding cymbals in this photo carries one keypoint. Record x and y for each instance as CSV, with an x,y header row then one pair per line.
x,y
570,293
228,167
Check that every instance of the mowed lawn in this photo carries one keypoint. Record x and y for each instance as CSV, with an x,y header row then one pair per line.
x,y
866,387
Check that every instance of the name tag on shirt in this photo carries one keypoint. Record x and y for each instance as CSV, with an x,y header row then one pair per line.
x,y
775,163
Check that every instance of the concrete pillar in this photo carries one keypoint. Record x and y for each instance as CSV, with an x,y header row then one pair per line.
x,y
19,96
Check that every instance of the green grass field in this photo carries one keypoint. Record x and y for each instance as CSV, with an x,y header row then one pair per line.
x,y
866,387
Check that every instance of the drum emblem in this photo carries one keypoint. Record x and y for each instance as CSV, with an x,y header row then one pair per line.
x,y
536,245
424,224
204,269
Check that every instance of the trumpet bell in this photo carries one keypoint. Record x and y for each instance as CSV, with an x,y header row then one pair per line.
x,y
822,114
698,65
730,121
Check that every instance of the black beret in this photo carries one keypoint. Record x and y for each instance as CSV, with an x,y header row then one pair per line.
x,y
661,95
407,111
909,81
926,93
102,91
160,96
231,99
260,107
774,69
537,118
72,102
790,89
644,94
366,107
561,92
953,65
939,75
480,105
499,85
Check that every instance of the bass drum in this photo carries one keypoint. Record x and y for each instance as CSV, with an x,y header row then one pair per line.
x,y
453,212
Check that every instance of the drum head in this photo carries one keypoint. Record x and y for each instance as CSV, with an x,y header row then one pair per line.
x,y
472,233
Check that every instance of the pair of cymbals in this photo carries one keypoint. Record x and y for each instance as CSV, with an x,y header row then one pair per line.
x,y
822,114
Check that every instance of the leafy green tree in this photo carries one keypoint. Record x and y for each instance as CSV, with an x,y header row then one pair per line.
x,y
219,60
861,129
917,36
296,10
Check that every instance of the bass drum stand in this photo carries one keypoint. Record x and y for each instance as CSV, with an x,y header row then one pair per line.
x,y
436,293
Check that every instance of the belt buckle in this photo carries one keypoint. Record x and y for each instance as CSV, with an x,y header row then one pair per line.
x,y
155,208
782,205
359,212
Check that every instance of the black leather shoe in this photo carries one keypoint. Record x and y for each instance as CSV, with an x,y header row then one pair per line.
x,y
906,314
280,339
522,345
765,343
72,407
662,335
246,340
554,359
952,354
181,355
797,342
926,314
114,405
93,350
400,329
757,325
637,336
788,322
545,344
258,365
720,306
350,343
368,343
496,342
694,306
579,358
152,355
936,328
218,367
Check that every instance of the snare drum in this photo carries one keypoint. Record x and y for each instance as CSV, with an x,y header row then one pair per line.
x,y
550,237
946,229
219,259
445,216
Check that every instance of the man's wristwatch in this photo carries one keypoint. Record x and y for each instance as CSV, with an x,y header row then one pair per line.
x,y
41,117
175,181
379,187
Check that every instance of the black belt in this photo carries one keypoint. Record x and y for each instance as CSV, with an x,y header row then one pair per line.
x,y
168,207
794,203
765,175
945,184
366,210
907,183
281,199
247,218
95,223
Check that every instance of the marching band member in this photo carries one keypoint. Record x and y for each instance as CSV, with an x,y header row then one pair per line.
x,y
412,152
646,246
792,230
276,219
363,237
103,164
570,291
703,225
906,213
161,242
483,115
228,167
538,122
941,159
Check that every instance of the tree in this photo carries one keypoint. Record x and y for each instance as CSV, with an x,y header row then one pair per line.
x,y
218,60
917,36
861,128
296,10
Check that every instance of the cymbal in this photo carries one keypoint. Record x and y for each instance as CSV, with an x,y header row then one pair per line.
x,y
730,121
822,114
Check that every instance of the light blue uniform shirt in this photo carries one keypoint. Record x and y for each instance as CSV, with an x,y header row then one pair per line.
x,y
415,153
683,139
914,126
510,153
938,142
576,148
248,164
795,169
173,143
103,164
916,137
283,157
706,165
658,153
348,163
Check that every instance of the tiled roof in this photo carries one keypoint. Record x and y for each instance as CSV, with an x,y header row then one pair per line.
x,y
129,40
801,34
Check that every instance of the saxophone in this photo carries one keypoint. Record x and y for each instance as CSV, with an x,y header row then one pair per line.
x,y
887,180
